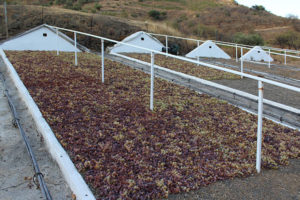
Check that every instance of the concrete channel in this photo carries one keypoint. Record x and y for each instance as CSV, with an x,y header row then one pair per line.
x,y
16,168
288,116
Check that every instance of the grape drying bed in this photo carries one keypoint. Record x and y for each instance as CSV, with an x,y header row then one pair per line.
x,y
123,150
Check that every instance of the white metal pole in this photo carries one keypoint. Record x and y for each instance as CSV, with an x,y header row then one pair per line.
x,y
198,43
259,125
198,60
167,50
152,81
5,19
102,60
269,58
75,43
236,53
57,44
285,57
242,62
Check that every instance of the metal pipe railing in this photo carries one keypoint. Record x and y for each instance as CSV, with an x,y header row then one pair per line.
x,y
242,74
229,44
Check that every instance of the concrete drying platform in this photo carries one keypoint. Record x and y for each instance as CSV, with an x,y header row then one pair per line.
x,y
16,170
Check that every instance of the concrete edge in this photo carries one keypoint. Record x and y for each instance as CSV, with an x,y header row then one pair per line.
x,y
67,167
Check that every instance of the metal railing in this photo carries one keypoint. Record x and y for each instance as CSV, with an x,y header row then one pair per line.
x,y
260,80
275,51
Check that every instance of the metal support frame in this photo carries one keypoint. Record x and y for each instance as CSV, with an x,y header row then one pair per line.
x,y
285,57
259,125
102,60
167,50
198,59
75,45
269,58
242,62
236,53
152,81
57,43
5,19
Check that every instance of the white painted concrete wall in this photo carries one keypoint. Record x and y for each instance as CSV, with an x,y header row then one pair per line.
x,y
208,50
141,39
35,41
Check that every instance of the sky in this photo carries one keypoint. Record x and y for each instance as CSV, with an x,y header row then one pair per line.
x,y
277,7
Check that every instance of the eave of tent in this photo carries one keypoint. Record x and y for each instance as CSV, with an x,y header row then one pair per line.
x,y
209,42
136,35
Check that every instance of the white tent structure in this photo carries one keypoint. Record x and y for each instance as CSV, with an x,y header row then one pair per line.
x,y
209,50
141,39
41,38
257,54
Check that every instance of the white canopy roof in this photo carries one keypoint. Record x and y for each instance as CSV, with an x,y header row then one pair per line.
x,y
257,54
141,39
208,49
41,38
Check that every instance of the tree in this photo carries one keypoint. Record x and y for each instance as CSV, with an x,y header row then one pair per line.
x,y
258,8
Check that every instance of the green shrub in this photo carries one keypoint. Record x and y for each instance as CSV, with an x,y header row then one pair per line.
x,y
290,39
154,14
250,39
258,8
77,6
97,6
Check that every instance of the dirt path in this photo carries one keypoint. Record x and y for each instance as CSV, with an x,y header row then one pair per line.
x,y
273,28
16,169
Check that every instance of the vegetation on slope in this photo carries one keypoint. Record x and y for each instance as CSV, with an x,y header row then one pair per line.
x,y
124,150
206,19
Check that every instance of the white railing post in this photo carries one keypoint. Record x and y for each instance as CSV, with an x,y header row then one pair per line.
x,y
198,44
236,53
167,50
242,62
269,58
285,57
259,125
102,60
75,44
57,43
152,81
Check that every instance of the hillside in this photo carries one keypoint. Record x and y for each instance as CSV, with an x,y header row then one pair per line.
x,y
206,19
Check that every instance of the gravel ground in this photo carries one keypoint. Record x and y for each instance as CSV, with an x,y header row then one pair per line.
x,y
16,170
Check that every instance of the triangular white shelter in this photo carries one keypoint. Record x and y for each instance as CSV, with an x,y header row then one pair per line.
x,y
209,50
41,38
140,39
257,54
